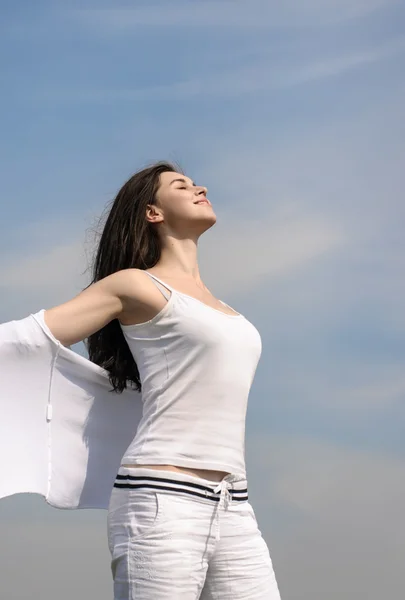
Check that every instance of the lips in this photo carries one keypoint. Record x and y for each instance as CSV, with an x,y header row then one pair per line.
x,y
205,201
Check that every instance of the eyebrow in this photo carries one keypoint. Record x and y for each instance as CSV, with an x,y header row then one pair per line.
x,y
182,180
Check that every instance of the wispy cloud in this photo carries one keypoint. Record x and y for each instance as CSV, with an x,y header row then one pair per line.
x,y
261,77
340,64
257,14
266,76
267,250
304,166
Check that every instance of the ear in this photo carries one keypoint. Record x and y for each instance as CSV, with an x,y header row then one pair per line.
x,y
154,214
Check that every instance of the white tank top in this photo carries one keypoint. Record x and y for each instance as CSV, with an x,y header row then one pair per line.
x,y
196,366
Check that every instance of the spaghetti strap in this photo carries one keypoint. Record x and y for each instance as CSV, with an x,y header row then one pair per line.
x,y
167,286
236,314
172,290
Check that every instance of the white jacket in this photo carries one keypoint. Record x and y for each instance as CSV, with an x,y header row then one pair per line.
x,y
62,432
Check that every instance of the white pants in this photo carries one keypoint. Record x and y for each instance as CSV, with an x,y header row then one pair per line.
x,y
173,537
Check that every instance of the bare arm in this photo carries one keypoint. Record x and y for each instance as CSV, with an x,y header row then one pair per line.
x,y
93,308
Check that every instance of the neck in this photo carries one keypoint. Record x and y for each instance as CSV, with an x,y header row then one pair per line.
x,y
179,258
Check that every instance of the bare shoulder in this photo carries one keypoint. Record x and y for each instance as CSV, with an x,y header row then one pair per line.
x,y
135,287
132,282
141,300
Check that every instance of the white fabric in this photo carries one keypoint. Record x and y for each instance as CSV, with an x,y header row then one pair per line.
x,y
62,432
197,365
172,543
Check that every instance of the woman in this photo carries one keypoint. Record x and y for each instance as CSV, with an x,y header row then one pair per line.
x,y
179,521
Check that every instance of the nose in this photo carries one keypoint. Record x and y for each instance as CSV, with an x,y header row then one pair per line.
x,y
202,190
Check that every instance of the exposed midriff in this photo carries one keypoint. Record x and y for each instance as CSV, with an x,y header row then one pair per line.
x,y
205,474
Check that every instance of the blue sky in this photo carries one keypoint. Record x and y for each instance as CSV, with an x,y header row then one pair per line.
x,y
292,115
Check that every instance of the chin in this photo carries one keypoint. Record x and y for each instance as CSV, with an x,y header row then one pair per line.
x,y
211,220
204,224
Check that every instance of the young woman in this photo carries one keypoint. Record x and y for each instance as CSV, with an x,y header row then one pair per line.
x,y
179,521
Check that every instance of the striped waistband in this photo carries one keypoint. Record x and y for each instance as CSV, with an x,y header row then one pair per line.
x,y
180,483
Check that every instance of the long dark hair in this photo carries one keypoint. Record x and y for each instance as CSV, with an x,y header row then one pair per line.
x,y
127,241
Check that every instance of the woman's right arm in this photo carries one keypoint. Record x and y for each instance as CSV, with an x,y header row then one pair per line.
x,y
92,309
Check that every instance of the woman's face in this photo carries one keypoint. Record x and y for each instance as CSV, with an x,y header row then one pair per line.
x,y
182,206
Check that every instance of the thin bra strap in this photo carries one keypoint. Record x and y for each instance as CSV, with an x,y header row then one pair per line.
x,y
230,307
160,284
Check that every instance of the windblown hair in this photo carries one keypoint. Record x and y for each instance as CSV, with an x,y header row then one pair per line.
x,y
127,241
